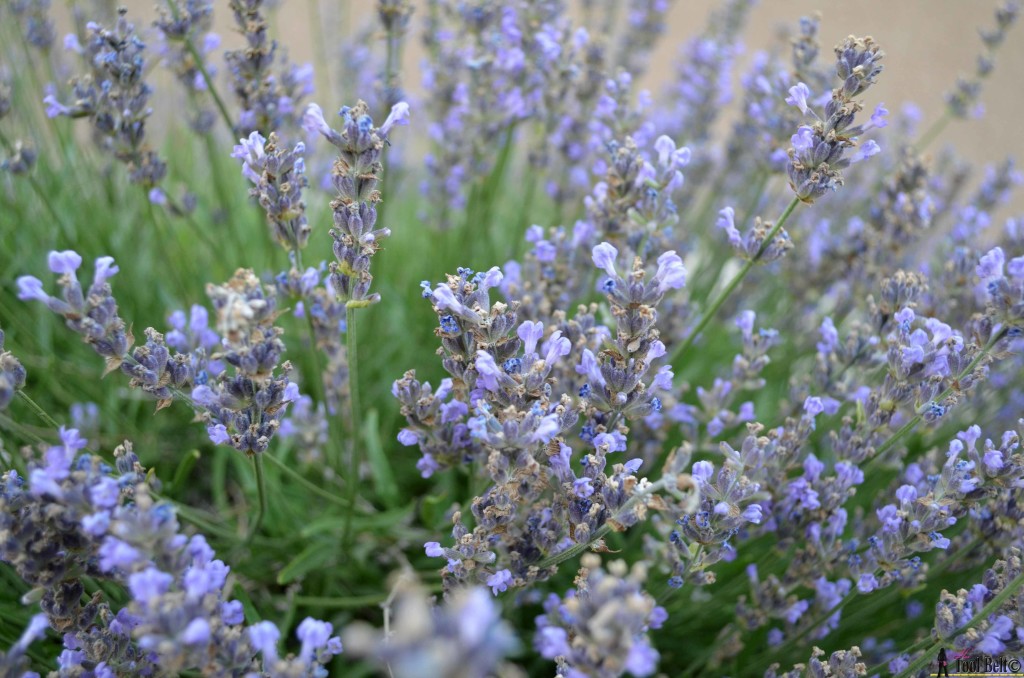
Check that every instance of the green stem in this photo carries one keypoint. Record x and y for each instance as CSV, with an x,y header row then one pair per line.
x,y
210,87
334,449
390,86
352,356
323,72
187,216
991,607
342,603
733,284
917,418
261,490
223,193
198,58
933,132
701,288
23,431
40,412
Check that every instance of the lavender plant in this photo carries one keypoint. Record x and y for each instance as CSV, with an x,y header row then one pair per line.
x,y
629,390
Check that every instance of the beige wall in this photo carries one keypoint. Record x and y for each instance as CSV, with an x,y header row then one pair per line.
x,y
927,42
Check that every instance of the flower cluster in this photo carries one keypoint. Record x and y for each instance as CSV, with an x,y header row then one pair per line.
x,y
12,375
616,386
483,65
93,315
600,627
355,176
816,157
701,88
244,403
241,405
462,636
278,175
269,89
73,517
114,97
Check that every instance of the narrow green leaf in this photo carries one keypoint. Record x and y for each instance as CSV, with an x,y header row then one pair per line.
x,y
311,558
185,467
384,520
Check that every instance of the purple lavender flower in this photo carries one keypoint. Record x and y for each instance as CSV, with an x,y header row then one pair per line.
x,y
178,617
12,375
816,155
269,89
115,98
356,174
612,646
278,175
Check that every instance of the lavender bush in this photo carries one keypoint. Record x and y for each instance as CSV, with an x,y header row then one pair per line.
x,y
517,370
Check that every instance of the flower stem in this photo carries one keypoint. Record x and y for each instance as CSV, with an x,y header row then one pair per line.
x,y
933,132
261,490
733,284
351,344
201,65
40,412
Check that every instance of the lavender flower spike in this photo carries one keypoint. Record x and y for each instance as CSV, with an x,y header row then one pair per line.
x,y
355,177
816,157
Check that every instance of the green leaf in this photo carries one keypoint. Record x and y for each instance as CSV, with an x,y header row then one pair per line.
x,y
184,469
384,520
313,557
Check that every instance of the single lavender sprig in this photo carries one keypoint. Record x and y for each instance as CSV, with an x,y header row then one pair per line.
x,y
244,404
463,635
93,315
115,98
767,243
817,155
38,26
12,375
278,175
21,157
355,177
964,99
615,377
185,28
394,16
645,22
269,100
701,87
